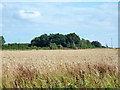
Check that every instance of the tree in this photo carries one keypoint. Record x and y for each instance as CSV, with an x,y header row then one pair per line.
x,y
2,40
42,41
58,39
83,44
72,39
96,44
89,45
35,41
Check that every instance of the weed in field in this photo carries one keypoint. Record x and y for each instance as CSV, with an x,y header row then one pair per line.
x,y
71,78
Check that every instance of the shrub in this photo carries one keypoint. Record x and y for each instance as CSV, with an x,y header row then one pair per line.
x,y
53,46
60,47
45,48
76,48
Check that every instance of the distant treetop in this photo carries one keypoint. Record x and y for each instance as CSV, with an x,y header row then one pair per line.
x,y
71,40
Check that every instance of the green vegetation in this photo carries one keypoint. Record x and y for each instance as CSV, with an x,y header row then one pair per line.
x,y
20,46
53,46
2,41
71,40
16,46
54,41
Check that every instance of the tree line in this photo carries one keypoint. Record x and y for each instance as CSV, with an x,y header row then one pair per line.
x,y
54,41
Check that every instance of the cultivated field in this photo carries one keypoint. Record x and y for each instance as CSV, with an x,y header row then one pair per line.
x,y
85,68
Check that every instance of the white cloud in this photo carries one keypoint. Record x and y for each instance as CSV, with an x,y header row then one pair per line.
x,y
28,14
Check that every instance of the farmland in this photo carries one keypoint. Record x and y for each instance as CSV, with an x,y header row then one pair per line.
x,y
83,68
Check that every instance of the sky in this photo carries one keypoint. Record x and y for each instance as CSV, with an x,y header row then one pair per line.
x,y
95,21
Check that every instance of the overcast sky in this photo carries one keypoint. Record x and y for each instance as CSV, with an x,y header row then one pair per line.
x,y
21,22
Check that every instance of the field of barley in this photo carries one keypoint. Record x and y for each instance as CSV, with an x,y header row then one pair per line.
x,y
84,68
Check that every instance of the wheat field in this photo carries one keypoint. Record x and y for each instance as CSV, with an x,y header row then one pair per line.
x,y
54,64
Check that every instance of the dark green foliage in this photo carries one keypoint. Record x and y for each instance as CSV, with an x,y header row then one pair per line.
x,y
104,46
45,40
67,41
42,41
35,42
59,39
72,38
2,40
18,46
54,41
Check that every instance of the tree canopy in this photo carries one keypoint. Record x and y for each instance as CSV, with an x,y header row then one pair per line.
x,y
2,40
58,39
53,41
71,40
96,43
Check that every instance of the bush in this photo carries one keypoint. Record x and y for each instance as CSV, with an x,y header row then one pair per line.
x,y
45,48
53,46
76,47
60,47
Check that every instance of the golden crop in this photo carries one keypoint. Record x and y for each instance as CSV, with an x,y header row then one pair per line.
x,y
48,63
